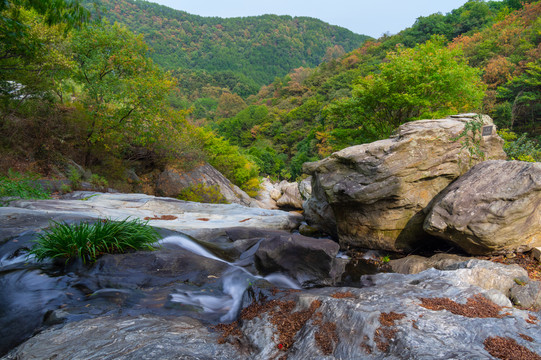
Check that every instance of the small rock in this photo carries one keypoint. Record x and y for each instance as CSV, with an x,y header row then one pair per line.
x,y
536,252
527,295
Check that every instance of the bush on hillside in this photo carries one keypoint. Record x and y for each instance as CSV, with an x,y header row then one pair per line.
x,y
23,186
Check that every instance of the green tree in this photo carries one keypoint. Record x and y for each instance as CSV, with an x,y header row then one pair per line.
x,y
15,32
524,93
427,81
124,91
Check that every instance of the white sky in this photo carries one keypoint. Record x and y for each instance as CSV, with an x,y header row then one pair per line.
x,y
368,17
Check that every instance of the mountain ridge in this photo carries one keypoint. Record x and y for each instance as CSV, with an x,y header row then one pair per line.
x,y
256,48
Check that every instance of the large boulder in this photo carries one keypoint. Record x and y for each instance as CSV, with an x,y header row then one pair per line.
x,y
172,181
378,192
494,208
414,264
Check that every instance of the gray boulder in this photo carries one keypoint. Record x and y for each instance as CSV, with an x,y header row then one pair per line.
x,y
526,293
414,264
310,261
171,182
267,195
494,208
378,192
143,337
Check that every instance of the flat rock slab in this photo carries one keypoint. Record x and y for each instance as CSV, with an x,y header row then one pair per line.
x,y
187,217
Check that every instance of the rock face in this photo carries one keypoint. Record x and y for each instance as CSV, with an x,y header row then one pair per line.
x,y
171,182
378,192
267,195
291,196
494,208
309,261
283,195
391,317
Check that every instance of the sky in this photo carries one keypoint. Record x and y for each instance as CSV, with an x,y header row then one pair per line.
x,y
367,17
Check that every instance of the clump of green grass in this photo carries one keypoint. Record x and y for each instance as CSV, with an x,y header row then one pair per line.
x,y
89,241
22,186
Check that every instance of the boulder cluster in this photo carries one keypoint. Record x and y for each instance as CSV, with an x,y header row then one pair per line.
x,y
427,183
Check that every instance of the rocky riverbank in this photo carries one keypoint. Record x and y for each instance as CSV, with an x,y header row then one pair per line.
x,y
234,282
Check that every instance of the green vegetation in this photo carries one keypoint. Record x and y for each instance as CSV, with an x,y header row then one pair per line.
x,y
98,181
218,90
203,194
239,54
92,94
427,81
520,148
89,241
482,57
470,139
23,186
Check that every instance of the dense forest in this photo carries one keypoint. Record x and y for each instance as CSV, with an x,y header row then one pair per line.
x,y
482,57
79,82
240,54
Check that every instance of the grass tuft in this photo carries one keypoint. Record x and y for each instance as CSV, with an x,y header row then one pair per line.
x,y
89,241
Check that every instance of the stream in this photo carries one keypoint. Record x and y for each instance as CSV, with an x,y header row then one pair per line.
x,y
181,278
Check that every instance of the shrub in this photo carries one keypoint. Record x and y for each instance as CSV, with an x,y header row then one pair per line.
x,y
23,186
89,241
202,193
520,148
98,181
74,176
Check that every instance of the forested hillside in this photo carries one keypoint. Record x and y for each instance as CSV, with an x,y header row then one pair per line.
x,y
77,89
74,86
484,57
251,51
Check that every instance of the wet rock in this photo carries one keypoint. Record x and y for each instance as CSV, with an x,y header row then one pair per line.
x,y
144,337
494,208
310,261
377,192
389,317
387,320
143,269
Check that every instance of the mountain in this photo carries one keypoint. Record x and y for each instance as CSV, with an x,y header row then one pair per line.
x,y
256,49
310,113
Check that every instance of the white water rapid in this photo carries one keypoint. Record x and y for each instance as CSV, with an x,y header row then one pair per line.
x,y
235,282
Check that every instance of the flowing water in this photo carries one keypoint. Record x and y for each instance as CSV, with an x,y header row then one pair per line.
x,y
235,282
